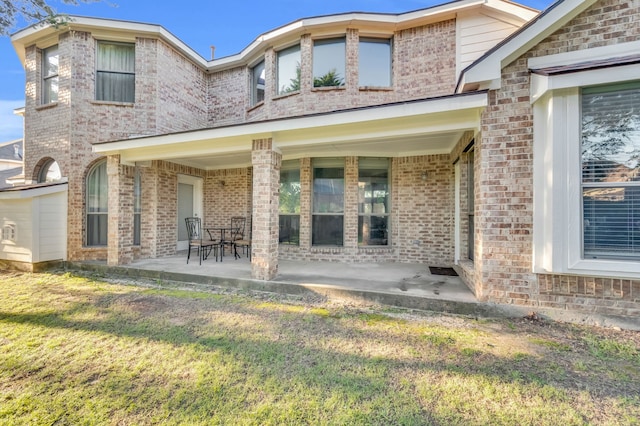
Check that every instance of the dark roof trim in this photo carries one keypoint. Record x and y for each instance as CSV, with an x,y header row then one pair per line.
x,y
588,65
32,186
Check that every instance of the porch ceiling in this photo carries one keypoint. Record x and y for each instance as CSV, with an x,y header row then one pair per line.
x,y
431,126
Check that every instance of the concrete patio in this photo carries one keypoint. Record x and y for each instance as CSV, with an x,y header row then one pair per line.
x,y
403,285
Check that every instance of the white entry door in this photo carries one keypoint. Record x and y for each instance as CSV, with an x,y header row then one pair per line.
x,y
189,205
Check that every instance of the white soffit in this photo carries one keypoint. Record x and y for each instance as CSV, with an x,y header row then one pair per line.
x,y
423,127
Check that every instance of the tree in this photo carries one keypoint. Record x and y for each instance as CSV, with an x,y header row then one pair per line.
x,y
331,78
294,83
32,11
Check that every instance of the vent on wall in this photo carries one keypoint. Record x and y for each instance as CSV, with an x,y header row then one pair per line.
x,y
9,233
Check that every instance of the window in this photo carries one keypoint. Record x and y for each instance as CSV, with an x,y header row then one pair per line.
x,y
115,72
50,172
329,62
50,75
610,160
290,203
97,205
289,70
373,201
137,207
374,67
328,202
257,83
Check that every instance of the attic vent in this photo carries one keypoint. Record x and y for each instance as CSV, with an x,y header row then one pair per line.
x,y
9,233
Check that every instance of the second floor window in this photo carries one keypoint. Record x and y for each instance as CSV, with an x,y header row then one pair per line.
x,y
374,56
115,72
257,83
289,70
50,75
329,59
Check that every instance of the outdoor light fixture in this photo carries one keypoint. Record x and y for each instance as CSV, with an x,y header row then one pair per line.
x,y
222,183
423,176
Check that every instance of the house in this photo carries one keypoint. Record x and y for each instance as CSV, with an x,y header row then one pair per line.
x,y
454,135
10,161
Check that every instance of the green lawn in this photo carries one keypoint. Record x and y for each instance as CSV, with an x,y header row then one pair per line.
x,y
80,350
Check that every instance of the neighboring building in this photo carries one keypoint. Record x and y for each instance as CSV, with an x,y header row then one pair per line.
x,y
10,161
477,134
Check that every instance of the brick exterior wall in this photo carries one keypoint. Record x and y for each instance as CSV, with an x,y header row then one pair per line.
x,y
421,221
504,184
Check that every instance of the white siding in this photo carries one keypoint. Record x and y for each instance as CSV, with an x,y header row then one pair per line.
x,y
478,33
16,212
52,226
39,216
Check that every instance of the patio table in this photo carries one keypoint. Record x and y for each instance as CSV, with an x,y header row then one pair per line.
x,y
223,230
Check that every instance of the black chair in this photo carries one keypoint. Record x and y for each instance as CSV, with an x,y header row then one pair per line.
x,y
236,233
243,242
204,246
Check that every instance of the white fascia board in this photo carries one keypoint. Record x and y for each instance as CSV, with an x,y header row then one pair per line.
x,y
392,21
40,31
514,9
487,70
17,194
266,128
540,84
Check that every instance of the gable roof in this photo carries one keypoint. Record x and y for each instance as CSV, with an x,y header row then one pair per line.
x,y
485,72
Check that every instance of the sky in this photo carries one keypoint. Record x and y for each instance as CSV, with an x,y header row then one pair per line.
x,y
228,25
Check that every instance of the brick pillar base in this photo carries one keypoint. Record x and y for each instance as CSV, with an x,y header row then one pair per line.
x,y
120,226
266,185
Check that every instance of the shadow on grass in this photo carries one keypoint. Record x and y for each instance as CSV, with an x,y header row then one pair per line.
x,y
286,362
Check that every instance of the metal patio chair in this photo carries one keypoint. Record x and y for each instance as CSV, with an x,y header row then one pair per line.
x,y
204,246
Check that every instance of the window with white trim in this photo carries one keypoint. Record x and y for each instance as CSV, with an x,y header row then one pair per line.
x,y
327,227
137,207
289,208
97,205
584,199
373,201
374,62
289,70
257,83
115,72
50,75
610,157
329,62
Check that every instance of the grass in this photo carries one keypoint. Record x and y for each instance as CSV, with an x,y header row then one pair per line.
x,y
80,350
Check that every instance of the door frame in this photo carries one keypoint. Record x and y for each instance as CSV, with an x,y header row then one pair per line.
x,y
198,209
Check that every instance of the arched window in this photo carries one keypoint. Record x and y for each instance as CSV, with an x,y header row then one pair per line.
x,y
97,205
49,172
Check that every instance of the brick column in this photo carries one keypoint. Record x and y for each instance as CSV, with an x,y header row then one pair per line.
x,y
266,184
305,203
351,205
120,227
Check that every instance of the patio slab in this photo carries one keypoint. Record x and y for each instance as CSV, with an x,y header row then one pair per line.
x,y
404,285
